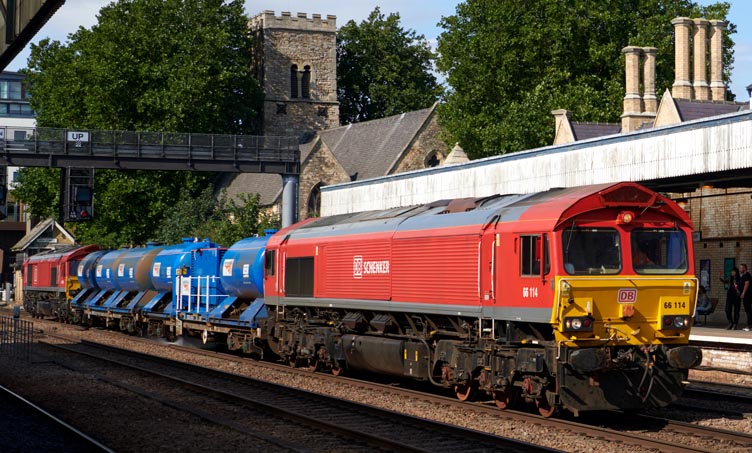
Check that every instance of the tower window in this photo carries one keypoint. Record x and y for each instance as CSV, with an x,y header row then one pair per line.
x,y
305,86
281,109
323,111
294,81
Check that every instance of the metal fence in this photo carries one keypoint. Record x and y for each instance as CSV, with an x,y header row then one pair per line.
x,y
16,337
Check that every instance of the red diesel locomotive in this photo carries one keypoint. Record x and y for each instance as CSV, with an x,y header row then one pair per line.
x,y
578,298
50,281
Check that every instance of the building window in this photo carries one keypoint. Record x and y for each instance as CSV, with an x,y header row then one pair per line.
x,y
433,160
281,109
294,81
4,89
305,86
314,201
15,90
323,111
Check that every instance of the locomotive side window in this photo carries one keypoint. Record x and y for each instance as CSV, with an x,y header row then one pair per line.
x,y
269,262
53,276
73,268
591,251
656,251
29,274
530,255
299,276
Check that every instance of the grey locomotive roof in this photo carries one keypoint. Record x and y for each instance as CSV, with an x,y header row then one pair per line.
x,y
505,208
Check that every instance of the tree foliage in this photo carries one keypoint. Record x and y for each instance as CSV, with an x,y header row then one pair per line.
x,y
205,216
153,65
382,69
510,63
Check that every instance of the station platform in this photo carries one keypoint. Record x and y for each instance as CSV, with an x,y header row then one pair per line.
x,y
715,332
728,351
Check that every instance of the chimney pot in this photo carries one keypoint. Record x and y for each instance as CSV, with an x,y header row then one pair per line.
x,y
700,84
649,98
632,98
717,87
682,88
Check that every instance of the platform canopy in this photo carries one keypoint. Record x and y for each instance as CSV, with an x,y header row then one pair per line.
x,y
20,20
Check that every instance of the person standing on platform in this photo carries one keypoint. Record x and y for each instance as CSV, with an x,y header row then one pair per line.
x,y
733,298
746,280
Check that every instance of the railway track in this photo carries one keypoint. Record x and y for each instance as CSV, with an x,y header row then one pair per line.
x,y
28,427
260,409
612,429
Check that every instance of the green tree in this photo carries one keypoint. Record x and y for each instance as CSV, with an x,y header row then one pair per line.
x,y
154,65
382,69
509,63
205,216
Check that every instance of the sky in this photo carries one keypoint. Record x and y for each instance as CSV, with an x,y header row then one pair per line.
x,y
419,15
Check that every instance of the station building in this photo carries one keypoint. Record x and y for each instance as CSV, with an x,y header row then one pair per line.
x,y
694,145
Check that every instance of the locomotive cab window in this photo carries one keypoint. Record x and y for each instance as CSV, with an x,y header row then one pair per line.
x,y
656,251
530,255
269,263
591,251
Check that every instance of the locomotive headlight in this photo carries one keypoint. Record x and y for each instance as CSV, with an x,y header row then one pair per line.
x,y
625,217
565,288
676,322
580,324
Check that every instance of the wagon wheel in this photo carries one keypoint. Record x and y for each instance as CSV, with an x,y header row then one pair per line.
x,y
464,392
505,399
545,408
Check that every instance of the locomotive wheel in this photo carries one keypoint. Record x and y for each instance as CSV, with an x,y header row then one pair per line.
x,y
464,392
505,399
545,408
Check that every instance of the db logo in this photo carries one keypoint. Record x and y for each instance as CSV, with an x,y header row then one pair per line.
x,y
627,296
357,267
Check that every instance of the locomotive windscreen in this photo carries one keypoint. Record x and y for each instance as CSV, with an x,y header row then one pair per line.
x,y
591,251
656,251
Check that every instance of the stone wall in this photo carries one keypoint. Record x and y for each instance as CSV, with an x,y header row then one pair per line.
x,y
285,41
724,218
321,167
426,143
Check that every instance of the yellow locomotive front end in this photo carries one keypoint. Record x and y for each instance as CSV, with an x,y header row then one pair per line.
x,y
622,315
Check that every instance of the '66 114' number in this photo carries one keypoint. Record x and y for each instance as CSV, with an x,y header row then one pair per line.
x,y
668,305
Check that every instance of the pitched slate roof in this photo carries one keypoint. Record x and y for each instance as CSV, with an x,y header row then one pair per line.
x,y
365,150
584,131
694,109
371,148
36,233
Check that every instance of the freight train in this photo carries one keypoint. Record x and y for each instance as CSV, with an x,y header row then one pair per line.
x,y
578,298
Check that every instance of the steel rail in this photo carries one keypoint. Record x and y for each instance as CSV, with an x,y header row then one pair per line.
x,y
359,432
87,441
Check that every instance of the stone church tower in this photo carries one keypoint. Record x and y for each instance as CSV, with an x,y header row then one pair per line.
x,y
295,61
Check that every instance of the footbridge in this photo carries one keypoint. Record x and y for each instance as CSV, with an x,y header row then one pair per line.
x,y
713,151
125,150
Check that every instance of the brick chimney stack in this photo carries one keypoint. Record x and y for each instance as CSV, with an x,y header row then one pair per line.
x,y
717,87
648,80
700,73
682,89
632,99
